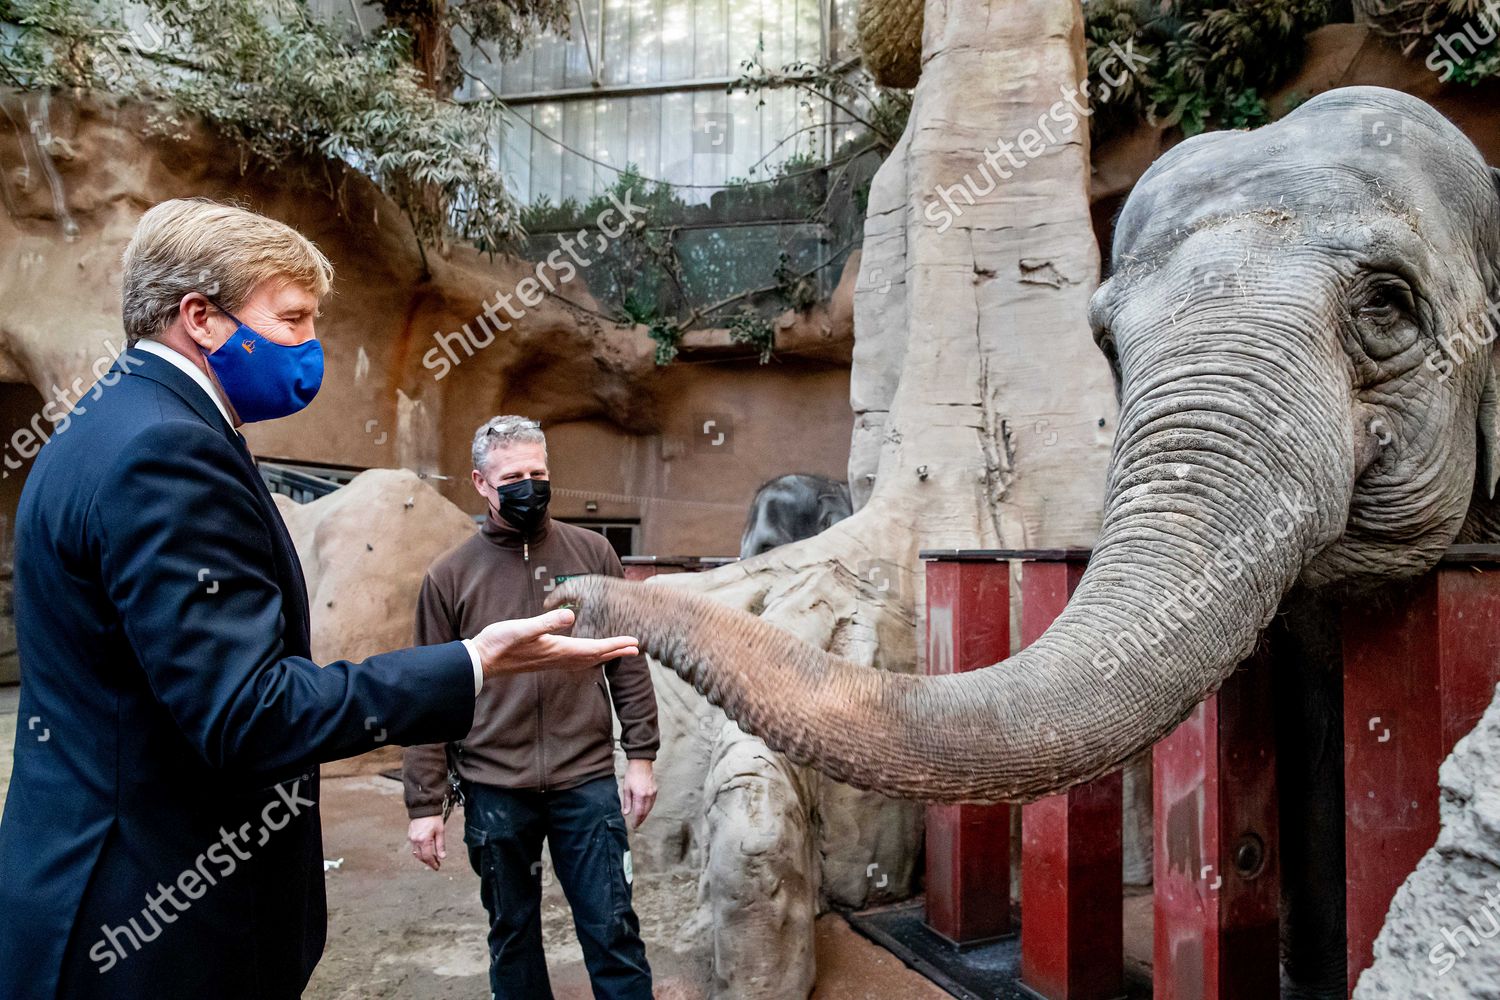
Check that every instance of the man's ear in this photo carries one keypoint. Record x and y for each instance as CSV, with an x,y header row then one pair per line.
x,y
194,310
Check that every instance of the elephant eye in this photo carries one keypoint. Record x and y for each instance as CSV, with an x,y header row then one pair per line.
x,y
1386,315
1386,298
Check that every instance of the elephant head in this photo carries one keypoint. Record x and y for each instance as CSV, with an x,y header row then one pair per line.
x,y
1299,320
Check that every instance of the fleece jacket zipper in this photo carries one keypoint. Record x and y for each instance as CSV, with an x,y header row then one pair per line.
x,y
541,753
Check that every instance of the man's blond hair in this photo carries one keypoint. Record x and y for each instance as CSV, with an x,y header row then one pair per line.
x,y
224,252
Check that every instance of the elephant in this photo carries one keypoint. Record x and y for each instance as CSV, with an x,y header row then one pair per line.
x,y
1298,319
790,508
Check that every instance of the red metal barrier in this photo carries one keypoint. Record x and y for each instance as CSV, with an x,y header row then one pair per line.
x,y
1217,880
1072,938
1420,667
645,567
968,846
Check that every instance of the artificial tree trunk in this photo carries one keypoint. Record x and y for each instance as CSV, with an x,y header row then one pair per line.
x,y
984,419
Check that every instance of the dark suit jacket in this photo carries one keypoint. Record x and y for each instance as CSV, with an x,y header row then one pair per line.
x,y
161,837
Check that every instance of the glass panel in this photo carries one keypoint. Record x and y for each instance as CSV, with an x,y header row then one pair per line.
x,y
677,136
745,108
616,52
519,76
677,40
710,42
843,42
546,155
611,131
578,136
699,139
515,152
644,143
548,68
578,73
809,30
714,143
645,41
744,32
771,23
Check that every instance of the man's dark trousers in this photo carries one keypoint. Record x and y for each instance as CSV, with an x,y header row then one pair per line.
x,y
585,831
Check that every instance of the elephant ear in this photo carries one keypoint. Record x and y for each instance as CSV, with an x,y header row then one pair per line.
x,y
1489,402
1489,431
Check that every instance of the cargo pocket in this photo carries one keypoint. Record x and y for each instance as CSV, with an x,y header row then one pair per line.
x,y
481,859
612,848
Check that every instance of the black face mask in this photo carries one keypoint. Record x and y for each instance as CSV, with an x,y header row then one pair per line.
x,y
523,503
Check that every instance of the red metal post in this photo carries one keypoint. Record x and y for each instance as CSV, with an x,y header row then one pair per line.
x,y
645,567
968,846
1072,938
1216,869
1420,668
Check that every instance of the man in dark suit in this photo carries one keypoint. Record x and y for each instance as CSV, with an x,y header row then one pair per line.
x,y
162,838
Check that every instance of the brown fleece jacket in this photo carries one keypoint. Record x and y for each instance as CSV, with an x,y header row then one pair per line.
x,y
545,730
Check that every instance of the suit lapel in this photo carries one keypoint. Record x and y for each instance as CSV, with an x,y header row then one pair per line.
x,y
294,586
287,552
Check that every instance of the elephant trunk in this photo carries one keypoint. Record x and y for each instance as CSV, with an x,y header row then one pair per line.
x,y
1209,522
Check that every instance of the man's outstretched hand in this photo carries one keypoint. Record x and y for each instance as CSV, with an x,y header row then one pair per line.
x,y
527,644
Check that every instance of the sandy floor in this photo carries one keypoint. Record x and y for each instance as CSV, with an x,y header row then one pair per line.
x,y
397,930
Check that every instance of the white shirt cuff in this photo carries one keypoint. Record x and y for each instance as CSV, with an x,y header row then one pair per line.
x,y
478,668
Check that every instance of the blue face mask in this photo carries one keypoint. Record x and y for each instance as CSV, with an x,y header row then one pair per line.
x,y
263,379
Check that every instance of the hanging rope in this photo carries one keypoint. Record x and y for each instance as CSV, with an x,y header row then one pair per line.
x,y
890,34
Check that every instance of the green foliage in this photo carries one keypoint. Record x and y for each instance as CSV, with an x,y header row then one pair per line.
x,y
501,26
667,336
637,310
797,290
750,328
797,188
282,86
660,199
880,111
1479,67
1206,62
505,25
